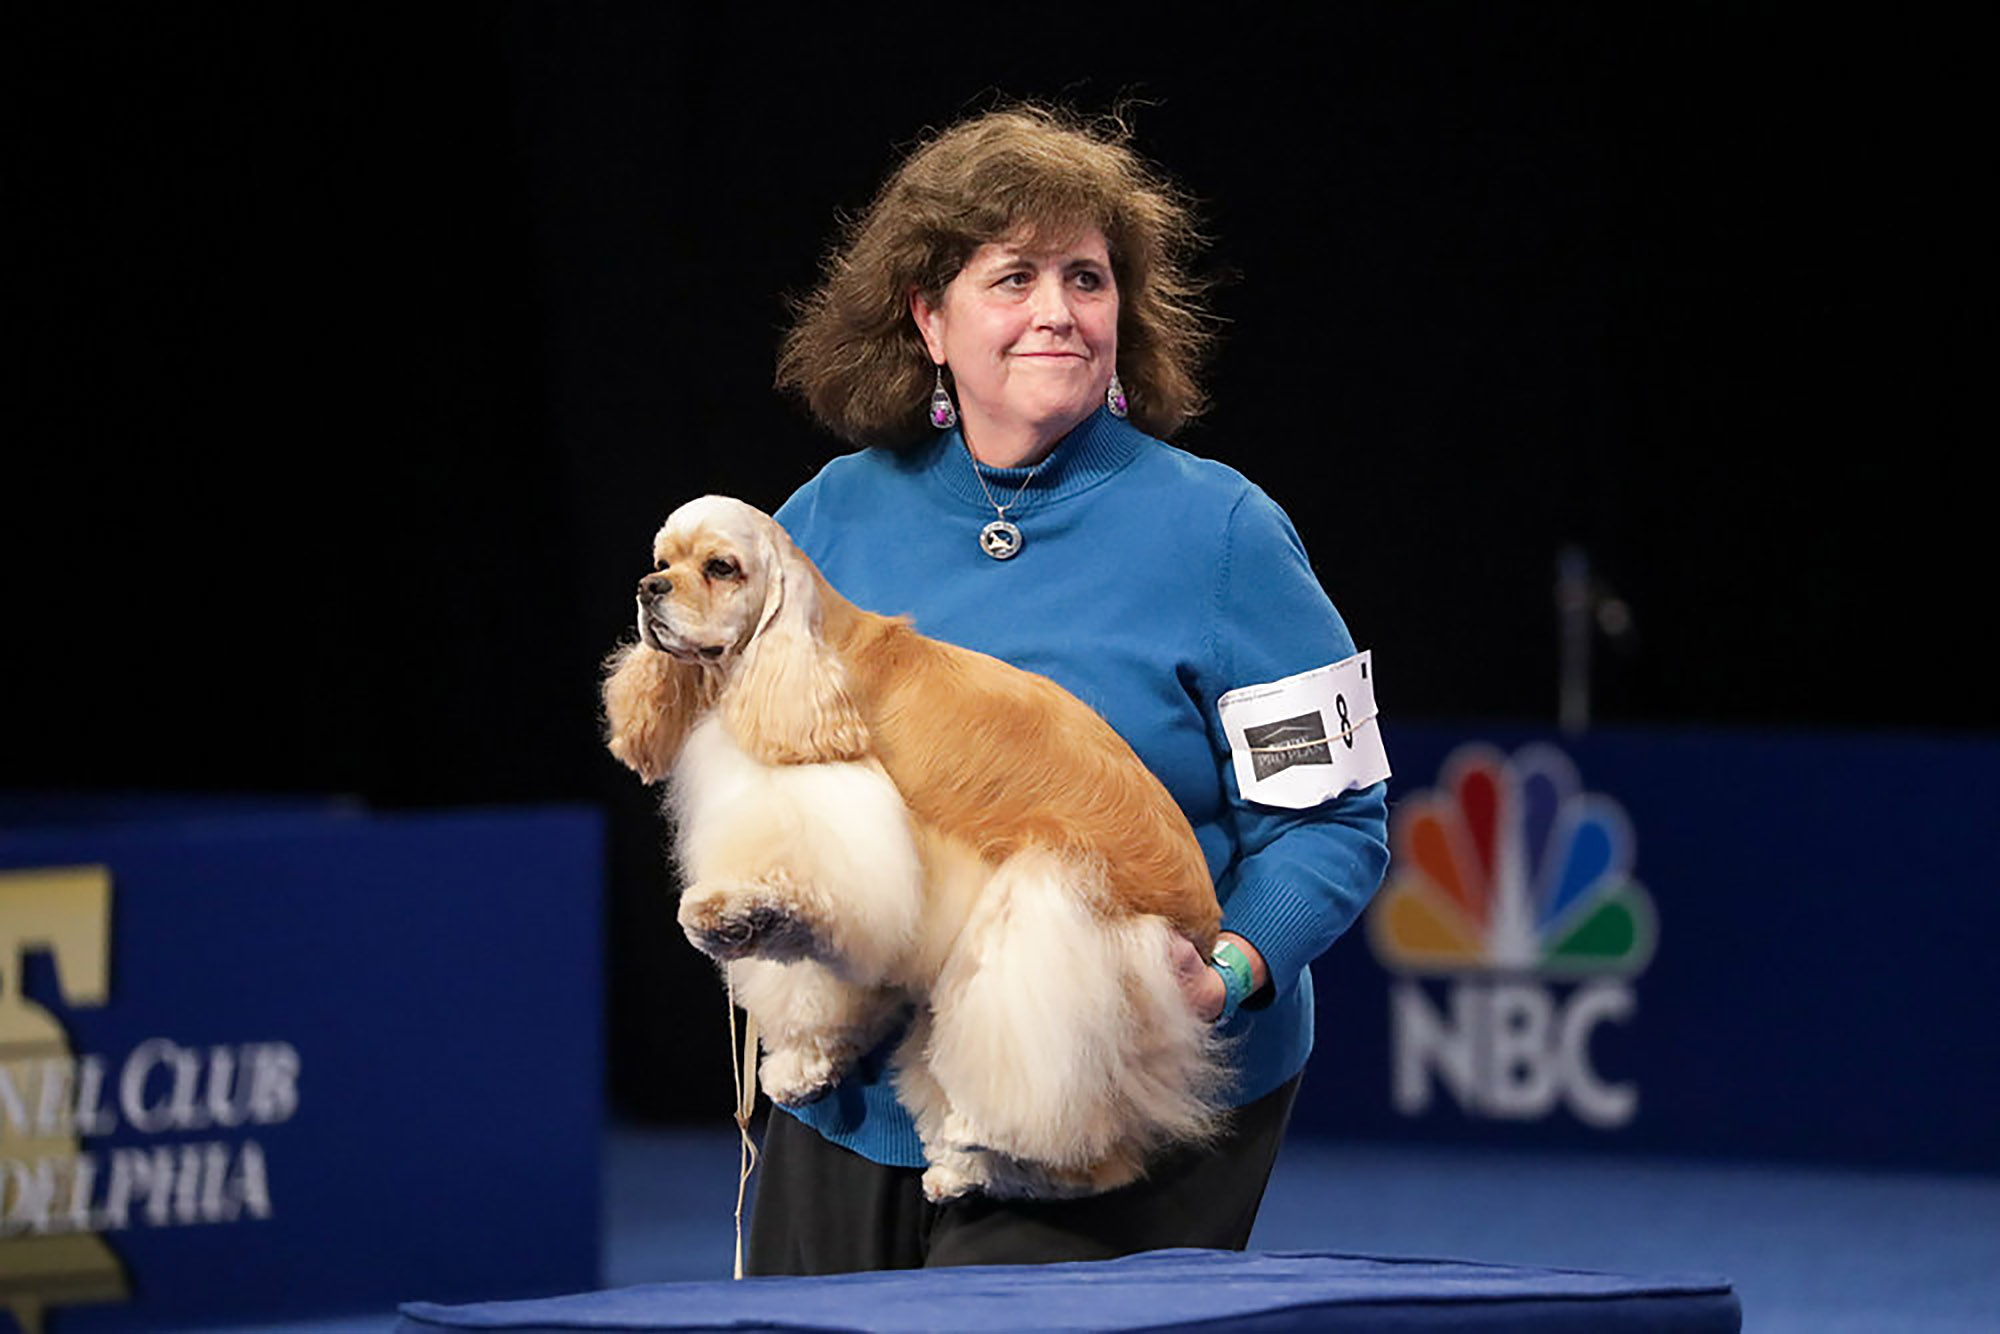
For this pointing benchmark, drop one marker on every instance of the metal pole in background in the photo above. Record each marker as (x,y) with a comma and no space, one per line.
(1573,599)
(1583,606)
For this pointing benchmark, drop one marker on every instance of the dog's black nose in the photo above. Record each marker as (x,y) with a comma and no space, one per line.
(655,586)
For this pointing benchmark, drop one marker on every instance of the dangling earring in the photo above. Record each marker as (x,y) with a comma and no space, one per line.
(1114,396)
(943,415)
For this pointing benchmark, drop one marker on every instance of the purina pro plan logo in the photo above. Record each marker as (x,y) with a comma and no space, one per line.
(1516,929)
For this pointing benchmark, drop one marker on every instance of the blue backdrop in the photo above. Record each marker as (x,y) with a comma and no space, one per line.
(1818,982)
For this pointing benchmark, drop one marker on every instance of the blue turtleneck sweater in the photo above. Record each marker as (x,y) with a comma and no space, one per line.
(1149,583)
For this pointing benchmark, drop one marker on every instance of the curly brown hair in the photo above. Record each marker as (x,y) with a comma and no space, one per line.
(1031,172)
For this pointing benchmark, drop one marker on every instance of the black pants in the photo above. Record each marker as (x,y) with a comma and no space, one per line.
(823,1209)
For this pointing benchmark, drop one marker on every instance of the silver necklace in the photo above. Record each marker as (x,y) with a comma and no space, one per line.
(1000,539)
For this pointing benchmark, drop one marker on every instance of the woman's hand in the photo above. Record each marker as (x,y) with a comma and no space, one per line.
(1202,985)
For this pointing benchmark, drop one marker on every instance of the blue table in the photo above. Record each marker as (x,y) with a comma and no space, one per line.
(1174,1289)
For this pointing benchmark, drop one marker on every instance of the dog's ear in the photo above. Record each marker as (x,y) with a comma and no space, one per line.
(788,701)
(650,701)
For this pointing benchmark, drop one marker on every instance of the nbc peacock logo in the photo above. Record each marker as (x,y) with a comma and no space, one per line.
(1516,929)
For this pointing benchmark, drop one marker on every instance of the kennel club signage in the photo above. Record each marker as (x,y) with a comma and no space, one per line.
(1515,927)
(238,1063)
(52,1190)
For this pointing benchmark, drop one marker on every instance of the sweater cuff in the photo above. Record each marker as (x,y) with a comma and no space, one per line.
(1285,928)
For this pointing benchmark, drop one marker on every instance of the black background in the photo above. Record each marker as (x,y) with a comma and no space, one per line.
(356,357)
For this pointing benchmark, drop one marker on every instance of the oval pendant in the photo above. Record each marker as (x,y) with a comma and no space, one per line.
(1000,540)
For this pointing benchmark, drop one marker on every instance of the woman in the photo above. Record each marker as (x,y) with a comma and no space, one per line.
(1009,328)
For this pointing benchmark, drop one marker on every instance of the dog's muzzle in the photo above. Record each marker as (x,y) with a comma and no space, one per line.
(658,631)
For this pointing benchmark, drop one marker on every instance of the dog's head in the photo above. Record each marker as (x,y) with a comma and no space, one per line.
(732,601)
(718,581)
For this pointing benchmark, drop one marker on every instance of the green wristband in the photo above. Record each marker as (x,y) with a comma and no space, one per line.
(1237,981)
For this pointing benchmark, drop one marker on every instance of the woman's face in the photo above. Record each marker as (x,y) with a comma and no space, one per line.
(1031,336)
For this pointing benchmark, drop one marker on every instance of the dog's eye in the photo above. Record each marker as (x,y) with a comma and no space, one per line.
(659,565)
(720,569)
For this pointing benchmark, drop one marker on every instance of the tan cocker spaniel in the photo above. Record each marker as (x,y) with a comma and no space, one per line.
(873,825)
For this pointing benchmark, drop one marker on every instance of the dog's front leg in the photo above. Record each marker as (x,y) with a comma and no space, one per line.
(766,916)
(812,1023)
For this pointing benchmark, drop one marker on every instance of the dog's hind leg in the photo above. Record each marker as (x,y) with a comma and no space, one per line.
(1030,1017)
(954,1166)
(1061,1040)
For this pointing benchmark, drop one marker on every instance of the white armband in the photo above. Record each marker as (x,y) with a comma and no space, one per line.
(1308,738)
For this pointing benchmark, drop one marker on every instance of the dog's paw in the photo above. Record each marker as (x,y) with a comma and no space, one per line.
(953,1175)
(738,922)
(794,1076)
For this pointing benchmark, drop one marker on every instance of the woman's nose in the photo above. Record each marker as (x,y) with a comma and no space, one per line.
(1051,304)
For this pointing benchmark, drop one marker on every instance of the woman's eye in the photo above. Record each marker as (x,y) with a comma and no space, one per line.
(1090,280)
(720,569)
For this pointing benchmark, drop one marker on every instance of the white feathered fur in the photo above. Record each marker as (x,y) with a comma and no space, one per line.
(873,825)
